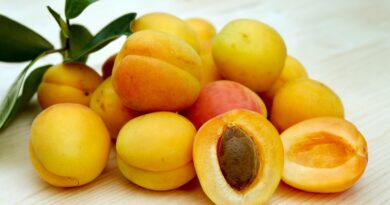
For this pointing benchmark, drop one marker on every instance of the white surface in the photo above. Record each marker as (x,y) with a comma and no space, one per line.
(341,43)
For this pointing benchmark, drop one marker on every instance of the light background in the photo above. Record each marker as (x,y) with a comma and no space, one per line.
(344,44)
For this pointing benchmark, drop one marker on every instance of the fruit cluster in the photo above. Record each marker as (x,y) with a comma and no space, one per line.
(182,101)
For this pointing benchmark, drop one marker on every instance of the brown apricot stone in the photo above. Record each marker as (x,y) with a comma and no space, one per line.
(237,156)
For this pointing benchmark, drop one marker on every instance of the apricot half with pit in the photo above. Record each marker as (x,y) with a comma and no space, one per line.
(154,150)
(323,155)
(238,157)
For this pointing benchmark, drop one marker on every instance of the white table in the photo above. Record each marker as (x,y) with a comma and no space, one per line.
(344,44)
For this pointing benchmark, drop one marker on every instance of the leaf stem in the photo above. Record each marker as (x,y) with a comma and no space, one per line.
(67,42)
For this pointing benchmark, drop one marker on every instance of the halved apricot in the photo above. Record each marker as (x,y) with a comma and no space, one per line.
(238,157)
(323,155)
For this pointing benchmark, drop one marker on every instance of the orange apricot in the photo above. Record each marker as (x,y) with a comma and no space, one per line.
(107,104)
(68,83)
(323,155)
(238,157)
(302,99)
(292,69)
(107,67)
(156,71)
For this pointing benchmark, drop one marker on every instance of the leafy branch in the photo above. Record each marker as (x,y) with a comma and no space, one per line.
(18,43)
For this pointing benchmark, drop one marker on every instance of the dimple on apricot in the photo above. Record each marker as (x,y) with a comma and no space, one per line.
(324,155)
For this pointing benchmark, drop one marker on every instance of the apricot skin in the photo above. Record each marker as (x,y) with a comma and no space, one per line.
(249,52)
(154,150)
(323,155)
(69,145)
(270,152)
(209,72)
(302,99)
(107,104)
(203,29)
(221,96)
(155,71)
(68,83)
(292,69)
(167,23)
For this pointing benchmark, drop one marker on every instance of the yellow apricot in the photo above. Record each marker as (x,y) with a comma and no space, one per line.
(302,99)
(292,69)
(155,150)
(107,104)
(203,29)
(167,23)
(69,145)
(249,52)
(68,83)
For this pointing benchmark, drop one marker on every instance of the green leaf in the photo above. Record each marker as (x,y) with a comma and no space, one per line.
(78,38)
(19,43)
(115,29)
(73,8)
(60,21)
(10,99)
(30,87)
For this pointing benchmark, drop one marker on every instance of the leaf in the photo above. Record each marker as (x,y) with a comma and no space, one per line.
(30,87)
(78,38)
(10,99)
(73,8)
(60,21)
(19,43)
(115,29)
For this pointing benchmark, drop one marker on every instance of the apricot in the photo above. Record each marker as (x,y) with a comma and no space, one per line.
(302,99)
(292,69)
(238,157)
(167,23)
(154,150)
(107,67)
(323,155)
(68,83)
(69,145)
(107,104)
(209,71)
(203,29)
(156,71)
(221,96)
(249,52)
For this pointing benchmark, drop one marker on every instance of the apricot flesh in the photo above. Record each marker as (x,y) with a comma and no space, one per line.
(323,155)
(69,145)
(154,150)
(252,135)
(68,83)
(156,71)
(302,99)
(221,96)
(249,52)
(167,23)
(107,104)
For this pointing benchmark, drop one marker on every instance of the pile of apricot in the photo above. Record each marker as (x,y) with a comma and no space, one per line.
(181,100)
